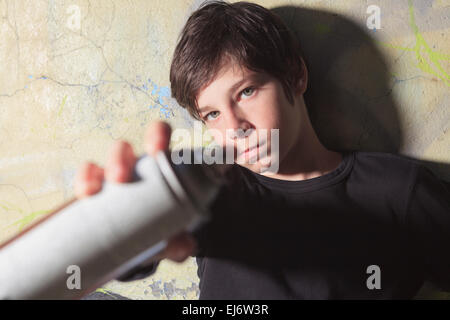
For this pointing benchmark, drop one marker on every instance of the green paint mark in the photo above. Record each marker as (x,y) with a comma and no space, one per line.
(21,223)
(104,291)
(62,105)
(9,207)
(427,58)
(59,114)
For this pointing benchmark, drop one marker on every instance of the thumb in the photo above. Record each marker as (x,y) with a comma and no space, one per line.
(180,247)
(157,137)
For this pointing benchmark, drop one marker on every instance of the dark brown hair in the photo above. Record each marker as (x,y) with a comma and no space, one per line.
(244,32)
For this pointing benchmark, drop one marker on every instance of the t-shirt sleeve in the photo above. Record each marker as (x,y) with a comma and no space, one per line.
(428,224)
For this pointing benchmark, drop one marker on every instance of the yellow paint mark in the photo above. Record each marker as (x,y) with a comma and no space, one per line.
(29,218)
(10,207)
(101,290)
(62,105)
(428,59)
(59,114)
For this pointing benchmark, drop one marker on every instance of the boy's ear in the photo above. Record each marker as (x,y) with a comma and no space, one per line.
(302,82)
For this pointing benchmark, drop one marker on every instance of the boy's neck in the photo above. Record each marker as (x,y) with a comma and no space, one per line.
(308,158)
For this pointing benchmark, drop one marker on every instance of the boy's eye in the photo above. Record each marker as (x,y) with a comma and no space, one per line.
(247,92)
(212,115)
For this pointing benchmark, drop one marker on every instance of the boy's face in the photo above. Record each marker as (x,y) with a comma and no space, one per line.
(255,103)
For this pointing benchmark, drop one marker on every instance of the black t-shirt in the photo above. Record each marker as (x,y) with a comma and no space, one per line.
(378,221)
(376,227)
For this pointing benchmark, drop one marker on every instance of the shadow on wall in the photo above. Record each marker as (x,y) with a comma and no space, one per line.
(349,97)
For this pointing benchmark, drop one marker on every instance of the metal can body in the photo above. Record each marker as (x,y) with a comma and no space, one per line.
(102,235)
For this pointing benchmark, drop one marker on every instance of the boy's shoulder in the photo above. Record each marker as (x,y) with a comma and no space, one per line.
(383,156)
(387,179)
(393,175)
(385,164)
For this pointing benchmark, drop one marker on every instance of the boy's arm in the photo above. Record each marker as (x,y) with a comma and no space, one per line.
(428,225)
(178,249)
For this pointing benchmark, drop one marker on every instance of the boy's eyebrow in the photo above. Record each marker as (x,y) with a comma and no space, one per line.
(253,76)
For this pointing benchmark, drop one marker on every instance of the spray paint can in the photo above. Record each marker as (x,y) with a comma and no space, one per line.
(105,235)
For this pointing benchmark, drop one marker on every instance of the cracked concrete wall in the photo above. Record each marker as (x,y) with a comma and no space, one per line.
(78,75)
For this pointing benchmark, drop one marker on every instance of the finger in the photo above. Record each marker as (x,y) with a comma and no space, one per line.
(157,137)
(120,164)
(180,247)
(88,180)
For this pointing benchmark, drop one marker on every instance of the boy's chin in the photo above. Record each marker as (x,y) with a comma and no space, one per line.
(263,166)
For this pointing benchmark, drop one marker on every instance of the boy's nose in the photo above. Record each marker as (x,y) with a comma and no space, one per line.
(238,125)
(240,130)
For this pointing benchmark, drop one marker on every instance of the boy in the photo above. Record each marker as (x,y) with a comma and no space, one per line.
(325,225)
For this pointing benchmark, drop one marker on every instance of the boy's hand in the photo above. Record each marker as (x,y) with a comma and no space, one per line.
(119,168)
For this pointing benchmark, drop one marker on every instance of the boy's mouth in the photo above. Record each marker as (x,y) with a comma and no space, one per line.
(250,151)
